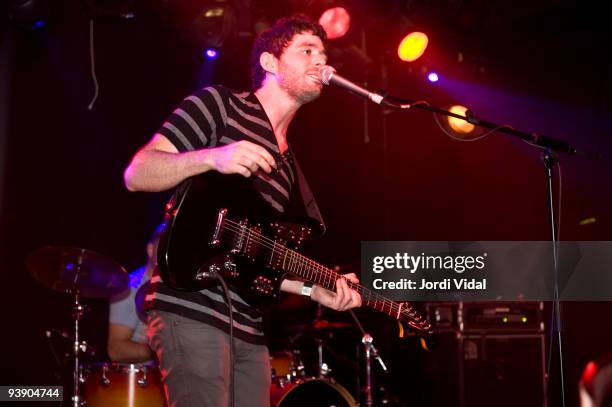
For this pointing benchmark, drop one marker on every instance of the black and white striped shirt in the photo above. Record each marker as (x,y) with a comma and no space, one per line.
(211,117)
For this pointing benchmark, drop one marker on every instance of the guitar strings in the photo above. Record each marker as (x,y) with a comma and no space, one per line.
(298,258)
(294,257)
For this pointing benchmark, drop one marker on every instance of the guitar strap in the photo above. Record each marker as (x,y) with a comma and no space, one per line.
(308,201)
(306,206)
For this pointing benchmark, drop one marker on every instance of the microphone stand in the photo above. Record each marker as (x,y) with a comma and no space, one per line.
(549,160)
(549,144)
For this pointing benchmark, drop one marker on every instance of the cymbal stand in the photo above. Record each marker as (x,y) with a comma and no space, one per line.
(367,343)
(323,367)
(77,313)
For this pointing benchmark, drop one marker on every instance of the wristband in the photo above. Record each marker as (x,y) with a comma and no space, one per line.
(307,289)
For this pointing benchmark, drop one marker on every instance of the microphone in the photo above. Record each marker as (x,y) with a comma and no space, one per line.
(329,76)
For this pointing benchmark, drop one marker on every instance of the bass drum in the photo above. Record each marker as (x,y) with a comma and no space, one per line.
(123,385)
(311,393)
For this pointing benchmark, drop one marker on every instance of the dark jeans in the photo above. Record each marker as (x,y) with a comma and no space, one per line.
(194,361)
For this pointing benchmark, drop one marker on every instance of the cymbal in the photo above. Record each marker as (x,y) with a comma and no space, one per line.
(64,268)
(324,324)
(319,325)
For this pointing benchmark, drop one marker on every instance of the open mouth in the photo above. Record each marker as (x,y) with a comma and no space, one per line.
(314,76)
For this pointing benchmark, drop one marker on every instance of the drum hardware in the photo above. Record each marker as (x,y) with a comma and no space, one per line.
(105,380)
(323,369)
(105,375)
(80,273)
(367,389)
(120,384)
(297,369)
(142,381)
(321,330)
(312,393)
(370,352)
(287,367)
(77,314)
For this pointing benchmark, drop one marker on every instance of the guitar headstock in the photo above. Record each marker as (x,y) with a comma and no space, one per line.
(412,319)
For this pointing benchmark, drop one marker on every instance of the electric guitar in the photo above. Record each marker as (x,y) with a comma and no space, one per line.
(219,225)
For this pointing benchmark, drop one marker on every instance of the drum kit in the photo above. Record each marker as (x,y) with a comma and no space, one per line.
(82,273)
(292,386)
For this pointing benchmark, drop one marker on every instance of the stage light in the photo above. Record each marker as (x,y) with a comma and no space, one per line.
(336,21)
(432,77)
(214,12)
(460,125)
(412,46)
(211,53)
(215,24)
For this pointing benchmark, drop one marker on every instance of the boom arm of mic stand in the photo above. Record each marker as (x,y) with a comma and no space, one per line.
(535,139)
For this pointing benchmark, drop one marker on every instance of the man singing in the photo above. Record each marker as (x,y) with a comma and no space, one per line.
(245,133)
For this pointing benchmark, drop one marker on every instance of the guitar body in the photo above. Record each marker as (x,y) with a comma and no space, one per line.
(186,258)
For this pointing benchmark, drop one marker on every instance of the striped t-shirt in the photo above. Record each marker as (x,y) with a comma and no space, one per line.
(211,117)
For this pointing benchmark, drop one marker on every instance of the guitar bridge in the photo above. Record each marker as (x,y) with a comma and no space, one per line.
(241,238)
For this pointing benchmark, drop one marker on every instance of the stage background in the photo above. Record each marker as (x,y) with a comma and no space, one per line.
(398,178)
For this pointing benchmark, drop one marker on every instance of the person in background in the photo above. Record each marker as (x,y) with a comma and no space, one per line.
(127,335)
(595,386)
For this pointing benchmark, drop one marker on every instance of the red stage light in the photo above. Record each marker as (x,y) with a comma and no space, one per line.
(335,21)
(412,46)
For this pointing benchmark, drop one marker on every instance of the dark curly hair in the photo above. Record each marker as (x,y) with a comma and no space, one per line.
(276,38)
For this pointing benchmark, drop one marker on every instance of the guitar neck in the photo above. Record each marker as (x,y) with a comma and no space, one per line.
(307,269)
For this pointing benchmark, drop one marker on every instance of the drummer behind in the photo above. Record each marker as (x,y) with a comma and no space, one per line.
(127,333)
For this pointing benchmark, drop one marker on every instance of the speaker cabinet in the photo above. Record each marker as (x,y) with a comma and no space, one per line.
(501,370)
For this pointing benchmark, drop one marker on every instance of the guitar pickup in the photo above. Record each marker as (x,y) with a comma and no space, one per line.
(240,236)
(247,240)
(252,242)
(278,254)
(215,239)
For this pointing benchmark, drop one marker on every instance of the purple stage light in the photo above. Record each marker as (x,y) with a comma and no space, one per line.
(211,53)
(432,77)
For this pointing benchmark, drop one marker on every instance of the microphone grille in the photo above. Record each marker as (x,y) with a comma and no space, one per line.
(325,74)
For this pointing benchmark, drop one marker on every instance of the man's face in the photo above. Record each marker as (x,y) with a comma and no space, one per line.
(299,65)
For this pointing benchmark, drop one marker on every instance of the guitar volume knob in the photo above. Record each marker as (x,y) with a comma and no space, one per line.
(212,271)
(229,266)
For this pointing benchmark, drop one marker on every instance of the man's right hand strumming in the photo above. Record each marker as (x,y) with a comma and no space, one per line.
(242,157)
(159,166)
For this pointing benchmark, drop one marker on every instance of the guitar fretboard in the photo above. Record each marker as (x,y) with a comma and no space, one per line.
(297,264)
